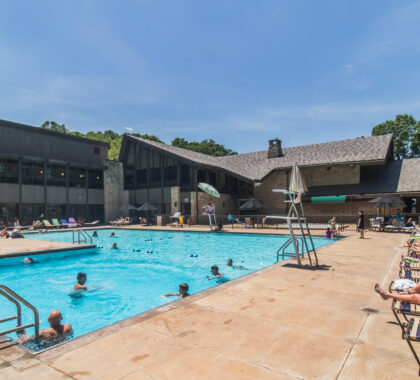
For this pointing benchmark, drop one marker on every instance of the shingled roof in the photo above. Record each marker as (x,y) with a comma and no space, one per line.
(255,166)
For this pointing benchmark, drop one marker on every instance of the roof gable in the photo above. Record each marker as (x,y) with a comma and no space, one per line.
(255,166)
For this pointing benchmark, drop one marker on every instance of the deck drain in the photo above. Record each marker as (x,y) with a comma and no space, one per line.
(370,310)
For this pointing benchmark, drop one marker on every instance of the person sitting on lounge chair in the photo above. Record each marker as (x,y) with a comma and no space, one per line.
(4,234)
(411,296)
(16,234)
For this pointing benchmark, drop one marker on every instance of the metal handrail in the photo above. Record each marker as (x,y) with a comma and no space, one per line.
(14,298)
(82,237)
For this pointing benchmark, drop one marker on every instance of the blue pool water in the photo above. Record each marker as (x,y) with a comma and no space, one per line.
(132,281)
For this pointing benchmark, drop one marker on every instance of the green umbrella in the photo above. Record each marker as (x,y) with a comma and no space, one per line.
(209,189)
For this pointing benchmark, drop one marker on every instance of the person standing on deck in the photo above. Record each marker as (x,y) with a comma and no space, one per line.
(361,224)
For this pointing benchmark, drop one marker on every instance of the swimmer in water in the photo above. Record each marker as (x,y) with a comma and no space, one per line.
(56,329)
(95,234)
(230,264)
(183,291)
(112,234)
(114,246)
(29,260)
(215,272)
(81,281)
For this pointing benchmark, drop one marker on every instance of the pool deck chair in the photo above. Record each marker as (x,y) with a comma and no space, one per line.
(73,222)
(56,223)
(412,334)
(67,224)
(410,274)
(48,224)
(92,223)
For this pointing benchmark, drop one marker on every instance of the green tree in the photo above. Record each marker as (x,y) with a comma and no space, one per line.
(209,147)
(53,126)
(109,136)
(406,135)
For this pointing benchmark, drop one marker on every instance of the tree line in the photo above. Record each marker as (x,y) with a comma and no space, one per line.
(207,146)
(405,129)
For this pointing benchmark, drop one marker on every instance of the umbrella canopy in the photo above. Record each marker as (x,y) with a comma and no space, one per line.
(147,207)
(297,183)
(252,204)
(128,207)
(209,189)
(386,202)
(176,215)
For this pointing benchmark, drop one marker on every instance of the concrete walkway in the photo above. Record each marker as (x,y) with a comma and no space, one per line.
(279,323)
(22,247)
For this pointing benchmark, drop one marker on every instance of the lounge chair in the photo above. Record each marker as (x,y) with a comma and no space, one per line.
(56,223)
(73,222)
(375,225)
(67,224)
(92,223)
(412,334)
(410,274)
(48,224)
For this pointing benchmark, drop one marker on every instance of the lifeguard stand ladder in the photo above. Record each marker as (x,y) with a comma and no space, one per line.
(302,244)
(213,214)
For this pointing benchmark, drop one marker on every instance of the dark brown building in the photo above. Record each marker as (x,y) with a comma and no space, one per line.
(46,174)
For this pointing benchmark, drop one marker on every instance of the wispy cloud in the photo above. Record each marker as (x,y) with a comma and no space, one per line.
(129,129)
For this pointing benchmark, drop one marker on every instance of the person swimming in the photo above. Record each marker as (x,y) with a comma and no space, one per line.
(112,234)
(95,234)
(29,260)
(215,272)
(230,264)
(114,246)
(81,281)
(183,291)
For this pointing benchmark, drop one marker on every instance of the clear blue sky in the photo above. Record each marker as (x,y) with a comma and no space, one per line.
(238,71)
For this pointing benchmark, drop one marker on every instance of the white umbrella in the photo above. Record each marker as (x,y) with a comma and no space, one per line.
(297,183)
(128,207)
(209,189)
(176,215)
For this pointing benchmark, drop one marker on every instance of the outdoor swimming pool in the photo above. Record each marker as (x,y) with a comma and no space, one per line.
(133,277)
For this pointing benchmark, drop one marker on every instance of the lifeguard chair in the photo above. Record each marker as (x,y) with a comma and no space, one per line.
(295,217)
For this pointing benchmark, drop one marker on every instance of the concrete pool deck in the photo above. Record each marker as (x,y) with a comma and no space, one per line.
(24,247)
(279,323)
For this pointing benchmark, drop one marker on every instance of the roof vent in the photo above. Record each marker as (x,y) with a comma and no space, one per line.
(274,148)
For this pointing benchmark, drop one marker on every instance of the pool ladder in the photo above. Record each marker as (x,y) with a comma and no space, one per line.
(81,237)
(300,247)
(15,298)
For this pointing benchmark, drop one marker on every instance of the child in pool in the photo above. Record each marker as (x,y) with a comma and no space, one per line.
(81,281)
(183,291)
(328,233)
(230,264)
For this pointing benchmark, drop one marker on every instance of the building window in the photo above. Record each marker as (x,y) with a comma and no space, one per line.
(32,174)
(31,212)
(96,179)
(77,177)
(9,171)
(56,175)
(96,212)
(129,178)
(155,175)
(142,177)
(77,212)
(96,150)
(185,175)
(8,212)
